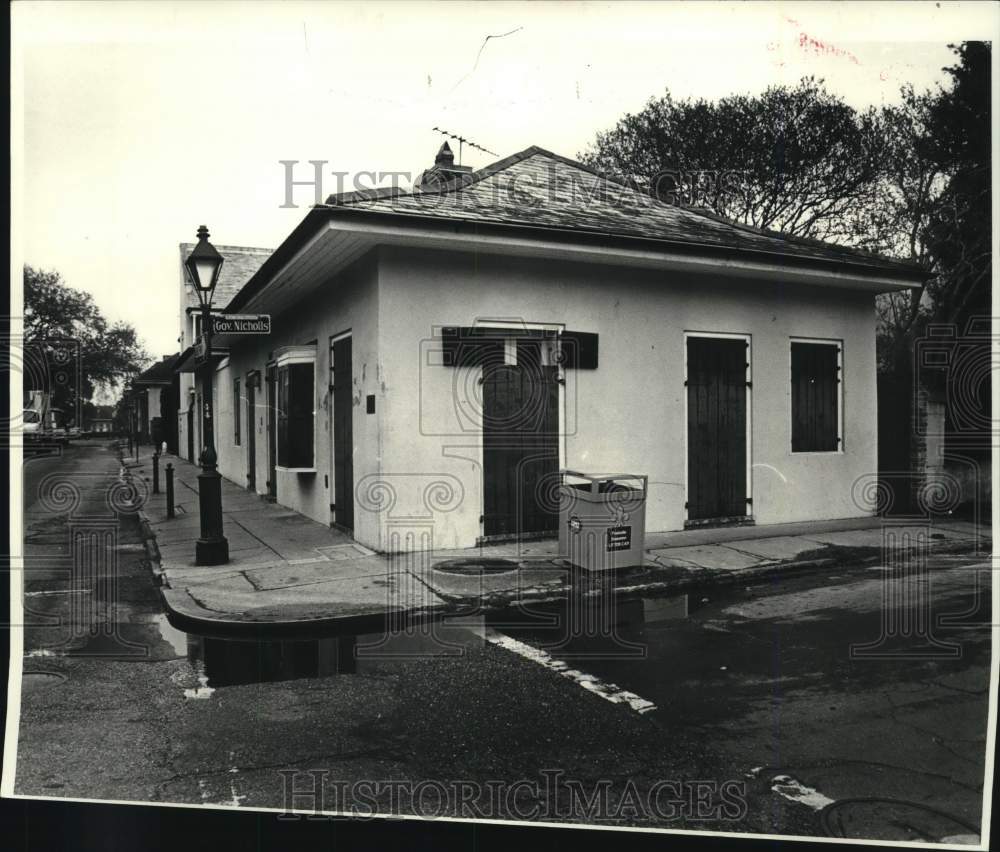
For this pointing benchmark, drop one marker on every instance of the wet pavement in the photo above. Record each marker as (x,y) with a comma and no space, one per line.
(757,688)
(286,569)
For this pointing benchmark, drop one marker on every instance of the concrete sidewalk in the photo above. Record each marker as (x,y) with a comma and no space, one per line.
(290,573)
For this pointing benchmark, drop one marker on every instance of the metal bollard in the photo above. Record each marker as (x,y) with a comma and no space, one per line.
(170,490)
(156,473)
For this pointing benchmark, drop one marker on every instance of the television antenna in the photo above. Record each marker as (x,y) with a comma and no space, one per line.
(461,140)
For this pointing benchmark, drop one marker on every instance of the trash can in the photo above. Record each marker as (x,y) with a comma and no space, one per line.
(602,519)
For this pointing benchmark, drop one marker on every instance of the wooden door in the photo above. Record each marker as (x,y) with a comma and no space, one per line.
(190,430)
(272,433)
(252,381)
(717,439)
(342,432)
(520,445)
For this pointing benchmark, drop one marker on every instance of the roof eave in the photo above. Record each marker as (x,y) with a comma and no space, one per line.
(909,273)
(897,275)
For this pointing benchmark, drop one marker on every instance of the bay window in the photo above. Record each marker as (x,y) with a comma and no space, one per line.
(296,394)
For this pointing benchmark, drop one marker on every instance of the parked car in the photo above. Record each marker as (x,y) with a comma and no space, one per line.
(31,425)
(74,432)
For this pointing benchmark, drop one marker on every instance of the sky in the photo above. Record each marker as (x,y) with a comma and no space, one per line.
(133,123)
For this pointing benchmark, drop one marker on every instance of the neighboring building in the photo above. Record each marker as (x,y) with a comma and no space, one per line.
(241,262)
(98,418)
(155,392)
(438,355)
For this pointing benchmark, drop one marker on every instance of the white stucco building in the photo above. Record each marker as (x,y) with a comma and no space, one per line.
(437,356)
(240,265)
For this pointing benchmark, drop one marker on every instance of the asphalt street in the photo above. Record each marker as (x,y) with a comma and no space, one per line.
(746,711)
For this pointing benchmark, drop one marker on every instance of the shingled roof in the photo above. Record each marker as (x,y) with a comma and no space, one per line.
(162,372)
(240,263)
(538,195)
(536,188)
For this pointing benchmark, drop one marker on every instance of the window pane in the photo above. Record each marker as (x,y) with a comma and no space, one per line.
(282,417)
(296,392)
(815,389)
(300,415)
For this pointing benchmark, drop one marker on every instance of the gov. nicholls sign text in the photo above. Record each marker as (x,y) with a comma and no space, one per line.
(241,324)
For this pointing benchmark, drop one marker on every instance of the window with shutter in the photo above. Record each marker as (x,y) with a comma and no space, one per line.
(816,389)
(236,412)
(295,415)
(282,417)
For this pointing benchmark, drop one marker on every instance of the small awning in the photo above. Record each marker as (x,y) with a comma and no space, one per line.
(188,362)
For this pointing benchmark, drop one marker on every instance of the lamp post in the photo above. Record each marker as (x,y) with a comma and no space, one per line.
(127,414)
(212,548)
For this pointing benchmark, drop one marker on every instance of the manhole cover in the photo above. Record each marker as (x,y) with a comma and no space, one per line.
(476,566)
(894,819)
(30,681)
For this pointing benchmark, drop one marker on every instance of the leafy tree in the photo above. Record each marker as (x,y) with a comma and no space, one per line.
(934,205)
(959,228)
(910,180)
(906,195)
(66,335)
(794,159)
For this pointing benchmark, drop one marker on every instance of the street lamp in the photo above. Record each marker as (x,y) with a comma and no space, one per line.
(126,413)
(212,548)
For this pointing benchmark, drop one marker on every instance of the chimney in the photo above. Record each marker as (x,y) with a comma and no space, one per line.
(443,171)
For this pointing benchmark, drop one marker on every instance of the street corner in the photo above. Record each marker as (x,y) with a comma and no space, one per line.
(297,596)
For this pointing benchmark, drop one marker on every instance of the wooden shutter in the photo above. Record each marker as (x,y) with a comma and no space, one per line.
(815,394)
(579,350)
(236,412)
(301,390)
(468,346)
(282,418)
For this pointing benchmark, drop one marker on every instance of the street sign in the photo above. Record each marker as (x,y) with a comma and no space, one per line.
(241,323)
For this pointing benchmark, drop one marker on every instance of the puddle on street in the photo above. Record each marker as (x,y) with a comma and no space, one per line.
(593,629)
(32,680)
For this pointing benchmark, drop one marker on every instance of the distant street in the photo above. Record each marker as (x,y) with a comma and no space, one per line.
(756,687)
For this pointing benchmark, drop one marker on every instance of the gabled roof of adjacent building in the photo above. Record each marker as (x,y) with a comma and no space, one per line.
(537,198)
(101,412)
(161,373)
(240,263)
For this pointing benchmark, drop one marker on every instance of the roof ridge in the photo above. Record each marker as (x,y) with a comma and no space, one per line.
(221,246)
(454,185)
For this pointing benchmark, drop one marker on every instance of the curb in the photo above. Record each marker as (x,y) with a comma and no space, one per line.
(185,613)
(148,536)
